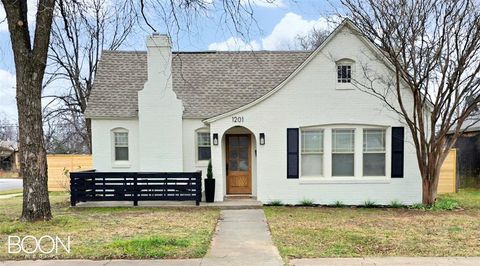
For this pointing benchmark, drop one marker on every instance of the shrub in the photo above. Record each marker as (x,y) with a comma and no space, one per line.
(445,204)
(395,204)
(209,170)
(338,204)
(369,204)
(275,203)
(307,202)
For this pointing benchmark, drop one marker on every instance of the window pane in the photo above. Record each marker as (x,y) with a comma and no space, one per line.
(121,139)
(312,165)
(343,140)
(203,139)
(373,140)
(342,165)
(312,141)
(121,153)
(204,153)
(374,164)
(344,73)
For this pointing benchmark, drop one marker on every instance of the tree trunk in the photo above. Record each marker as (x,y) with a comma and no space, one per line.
(30,62)
(88,123)
(429,190)
(33,164)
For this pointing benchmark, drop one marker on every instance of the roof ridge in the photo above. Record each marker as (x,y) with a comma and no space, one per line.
(215,52)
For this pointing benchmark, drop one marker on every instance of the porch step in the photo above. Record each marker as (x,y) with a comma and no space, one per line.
(236,204)
(239,196)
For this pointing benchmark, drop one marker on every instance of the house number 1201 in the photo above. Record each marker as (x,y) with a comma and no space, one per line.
(237,119)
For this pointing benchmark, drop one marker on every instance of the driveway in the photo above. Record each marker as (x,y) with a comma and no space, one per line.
(9,184)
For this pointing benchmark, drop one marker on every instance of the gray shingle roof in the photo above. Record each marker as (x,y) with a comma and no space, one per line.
(208,83)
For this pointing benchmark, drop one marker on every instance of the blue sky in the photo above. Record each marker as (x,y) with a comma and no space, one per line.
(277,27)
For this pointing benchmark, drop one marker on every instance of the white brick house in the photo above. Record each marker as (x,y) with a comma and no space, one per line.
(284,125)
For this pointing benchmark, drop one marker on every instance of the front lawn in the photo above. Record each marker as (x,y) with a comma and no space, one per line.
(310,232)
(107,233)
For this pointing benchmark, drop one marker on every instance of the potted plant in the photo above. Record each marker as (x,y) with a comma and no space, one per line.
(209,184)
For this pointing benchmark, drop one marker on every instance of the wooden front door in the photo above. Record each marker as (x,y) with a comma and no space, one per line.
(239,164)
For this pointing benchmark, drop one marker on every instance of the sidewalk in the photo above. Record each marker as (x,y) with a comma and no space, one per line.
(242,238)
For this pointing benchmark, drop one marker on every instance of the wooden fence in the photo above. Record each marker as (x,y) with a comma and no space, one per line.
(135,186)
(60,165)
(448,174)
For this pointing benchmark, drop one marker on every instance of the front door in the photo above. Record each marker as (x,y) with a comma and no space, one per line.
(239,168)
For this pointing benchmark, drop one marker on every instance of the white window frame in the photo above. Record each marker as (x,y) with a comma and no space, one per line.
(384,151)
(322,152)
(344,152)
(197,145)
(345,85)
(358,177)
(120,163)
(341,79)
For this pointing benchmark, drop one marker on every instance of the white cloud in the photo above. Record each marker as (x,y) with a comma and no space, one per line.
(283,36)
(234,44)
(7,94)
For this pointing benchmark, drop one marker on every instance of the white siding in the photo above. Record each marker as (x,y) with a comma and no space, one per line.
(102,145)
(312,98)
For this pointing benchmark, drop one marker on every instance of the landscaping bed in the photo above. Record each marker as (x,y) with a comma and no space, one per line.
(311,232)
(113,233)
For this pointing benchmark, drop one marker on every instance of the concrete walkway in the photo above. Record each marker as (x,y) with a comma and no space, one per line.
(242,238)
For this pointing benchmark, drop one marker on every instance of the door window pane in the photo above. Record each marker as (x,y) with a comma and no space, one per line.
(238,153)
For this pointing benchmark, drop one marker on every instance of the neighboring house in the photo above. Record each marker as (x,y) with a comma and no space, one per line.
(277,125)
(468,153)
(8,156)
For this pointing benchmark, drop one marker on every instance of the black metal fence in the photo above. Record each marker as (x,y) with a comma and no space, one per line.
(135,186)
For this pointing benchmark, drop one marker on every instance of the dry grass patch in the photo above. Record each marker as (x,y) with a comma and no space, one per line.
(301,232)
(101,233)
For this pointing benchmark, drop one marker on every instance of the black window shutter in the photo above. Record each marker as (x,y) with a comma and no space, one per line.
(292,153)
(398,140)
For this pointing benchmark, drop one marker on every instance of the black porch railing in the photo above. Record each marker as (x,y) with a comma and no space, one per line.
(135,186)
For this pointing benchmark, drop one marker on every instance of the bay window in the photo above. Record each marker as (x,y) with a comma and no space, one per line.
(312,153)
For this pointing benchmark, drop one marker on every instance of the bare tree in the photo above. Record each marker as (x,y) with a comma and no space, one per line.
(433,48)
(312,39)
(30,62)
(8,129)
(81,30)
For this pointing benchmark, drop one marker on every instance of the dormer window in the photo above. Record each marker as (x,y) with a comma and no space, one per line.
(344,73)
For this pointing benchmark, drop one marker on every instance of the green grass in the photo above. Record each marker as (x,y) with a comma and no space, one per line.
(10,191)
(356,232)
(395,204)
(114,233)
(466,198)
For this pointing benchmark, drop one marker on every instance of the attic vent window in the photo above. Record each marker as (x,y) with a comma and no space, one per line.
(344,73)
